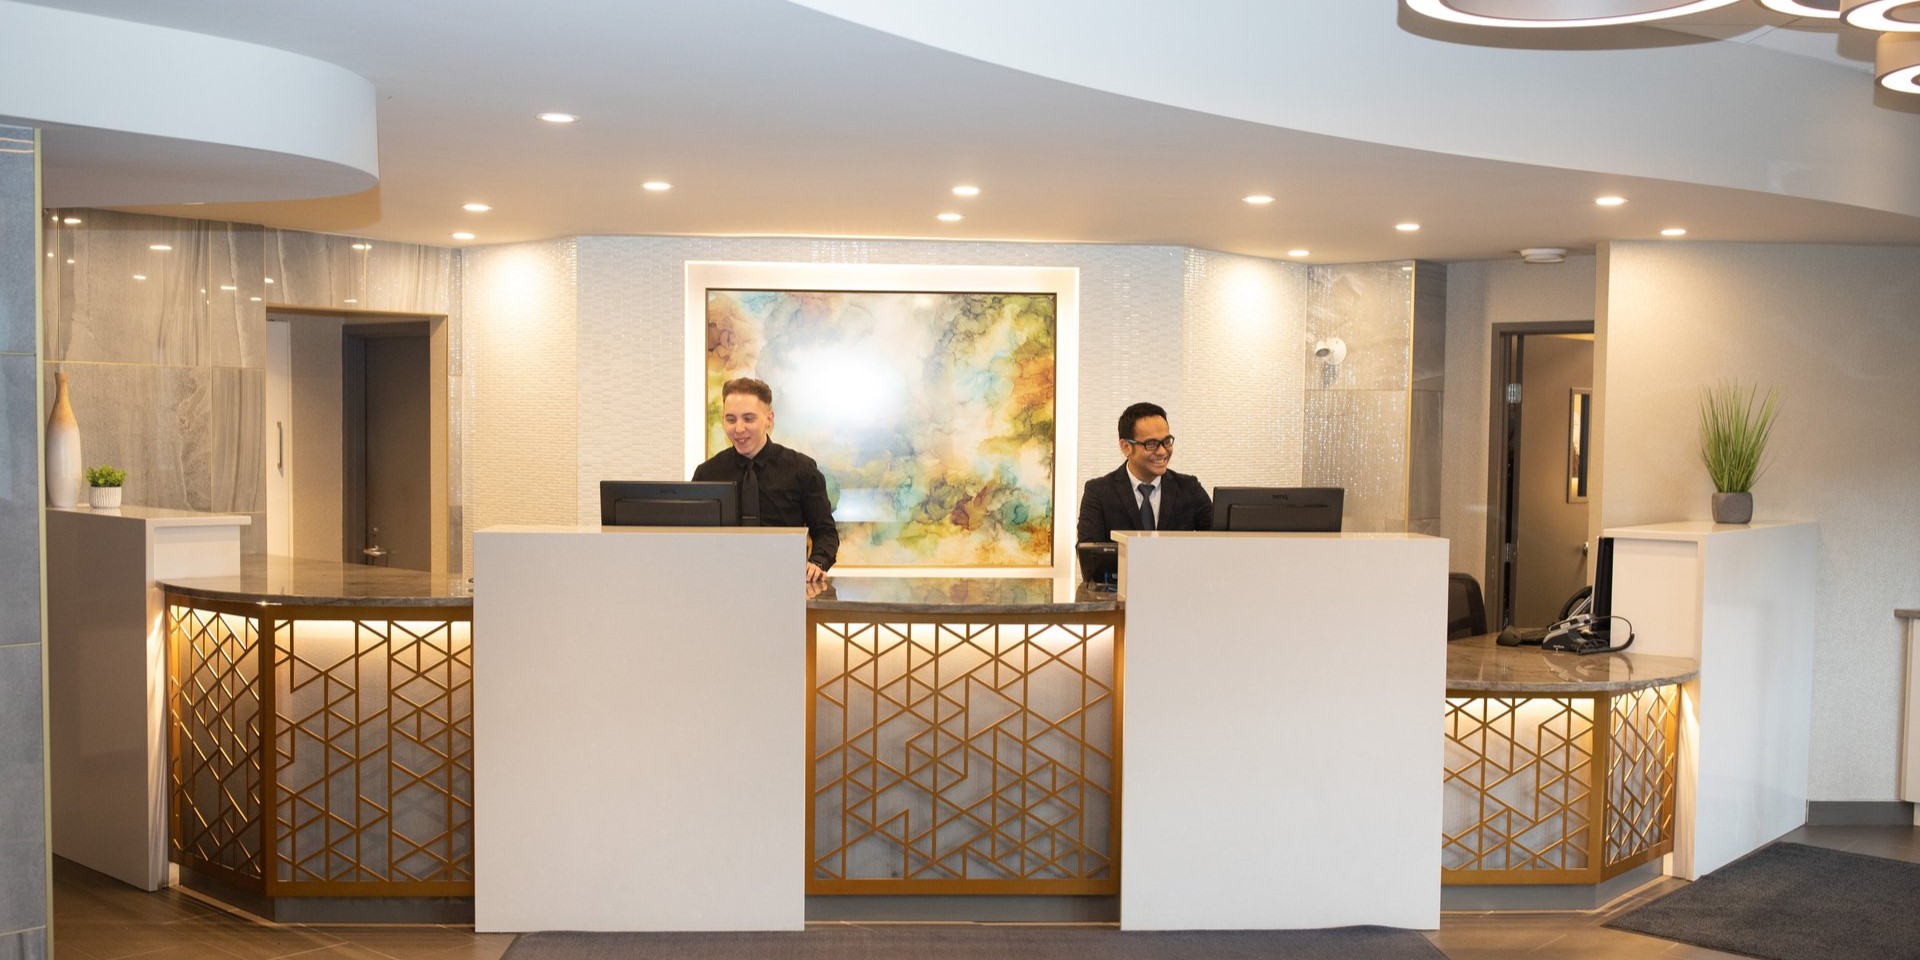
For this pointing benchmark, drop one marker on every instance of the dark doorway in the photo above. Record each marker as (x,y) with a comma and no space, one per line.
(388,435)
(1540,465)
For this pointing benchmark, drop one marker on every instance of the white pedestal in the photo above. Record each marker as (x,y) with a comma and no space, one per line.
(640,747)
(1284,730)
(1740,599)
(107,676)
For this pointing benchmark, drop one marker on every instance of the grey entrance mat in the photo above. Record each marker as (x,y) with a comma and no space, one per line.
(1790,901)
(982,942)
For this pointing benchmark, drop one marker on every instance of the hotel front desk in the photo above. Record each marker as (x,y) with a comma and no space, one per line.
(667,730)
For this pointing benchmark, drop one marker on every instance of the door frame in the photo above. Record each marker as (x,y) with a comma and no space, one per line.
(1503,445)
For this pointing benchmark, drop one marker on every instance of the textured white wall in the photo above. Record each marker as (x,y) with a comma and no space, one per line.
(1833,328)
(1238,414)
(520,377)
(1479,295)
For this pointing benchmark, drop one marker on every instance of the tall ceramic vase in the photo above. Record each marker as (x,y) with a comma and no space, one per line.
(64,473)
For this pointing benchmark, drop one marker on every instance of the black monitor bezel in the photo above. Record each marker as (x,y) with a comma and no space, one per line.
(1226,498)
(719,491)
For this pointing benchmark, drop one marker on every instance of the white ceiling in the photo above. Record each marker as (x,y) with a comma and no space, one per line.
(774,119)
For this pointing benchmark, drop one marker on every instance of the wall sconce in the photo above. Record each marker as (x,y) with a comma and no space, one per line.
(1330,351)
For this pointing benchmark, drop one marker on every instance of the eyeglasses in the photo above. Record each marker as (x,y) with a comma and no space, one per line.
(1153,446)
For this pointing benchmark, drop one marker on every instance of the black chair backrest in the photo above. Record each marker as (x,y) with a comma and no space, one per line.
(1466,610)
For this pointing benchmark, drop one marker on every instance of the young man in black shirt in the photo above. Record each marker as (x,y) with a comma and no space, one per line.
(779,486)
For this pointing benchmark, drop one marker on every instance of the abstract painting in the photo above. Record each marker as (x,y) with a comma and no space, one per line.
(931,414)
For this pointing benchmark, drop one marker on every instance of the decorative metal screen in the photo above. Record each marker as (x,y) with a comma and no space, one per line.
(371,727)
(964,757)
(1558,789)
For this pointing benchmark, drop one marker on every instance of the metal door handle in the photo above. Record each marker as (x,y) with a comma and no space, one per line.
(281,427)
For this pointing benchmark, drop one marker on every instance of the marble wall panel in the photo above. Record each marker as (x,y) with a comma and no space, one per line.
(236,294)
(153,422)
(20,499)
(1370,306)
(1357,439)
(111,314)
(1240,422)
(238,457)
(313,269)
(18,238)
(403,277)
(23,838)
(1423,455)
(1429,325)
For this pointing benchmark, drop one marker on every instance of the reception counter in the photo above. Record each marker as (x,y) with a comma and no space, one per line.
(322,739)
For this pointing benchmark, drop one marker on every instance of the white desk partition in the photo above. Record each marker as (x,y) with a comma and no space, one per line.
(107,675)
(1284,730)
(639,729)
(1740,599)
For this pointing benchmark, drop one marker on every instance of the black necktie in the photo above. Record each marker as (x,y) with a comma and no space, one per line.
(1146,506)
(750,496)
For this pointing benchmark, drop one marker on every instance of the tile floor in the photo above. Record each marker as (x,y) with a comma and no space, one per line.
(98,918)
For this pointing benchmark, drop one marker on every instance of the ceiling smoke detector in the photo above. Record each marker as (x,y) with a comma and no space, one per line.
(1544,255)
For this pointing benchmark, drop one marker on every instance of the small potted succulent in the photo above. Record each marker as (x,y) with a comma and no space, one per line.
(1735,422)
(103,487)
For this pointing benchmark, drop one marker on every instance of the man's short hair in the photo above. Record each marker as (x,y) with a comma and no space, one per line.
(1137,413)
(747,385)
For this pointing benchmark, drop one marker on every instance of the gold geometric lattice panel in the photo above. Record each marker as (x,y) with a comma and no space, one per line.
(214,700)
(972,757)
(1519,784)
(373,755)
(1642,774)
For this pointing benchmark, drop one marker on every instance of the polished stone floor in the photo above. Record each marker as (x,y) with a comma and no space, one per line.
(98,918)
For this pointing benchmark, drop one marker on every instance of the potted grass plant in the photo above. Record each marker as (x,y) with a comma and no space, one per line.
(103,487)
(1735,422)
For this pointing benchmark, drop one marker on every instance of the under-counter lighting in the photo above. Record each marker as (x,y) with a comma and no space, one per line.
(161,247)
(475,207)
(363,246)
(1298,253)
(1406,227)
(462,235)
(948,217)
(966,191)
(1258,199)
(1674,232)
(71,221)
(1610,200)
(657,186)
(558,117)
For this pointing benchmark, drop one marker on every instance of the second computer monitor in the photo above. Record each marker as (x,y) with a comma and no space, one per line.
(1278,509)
(668,503)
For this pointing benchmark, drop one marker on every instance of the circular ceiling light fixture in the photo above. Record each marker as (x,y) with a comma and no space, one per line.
(1543,255)
(1896,62)
(1823,9)
(1564,13)
(1887,16)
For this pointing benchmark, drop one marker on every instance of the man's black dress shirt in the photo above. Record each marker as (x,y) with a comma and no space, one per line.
(793,493)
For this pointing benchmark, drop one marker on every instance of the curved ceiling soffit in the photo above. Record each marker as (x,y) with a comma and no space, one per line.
(1708,113)
(133,113)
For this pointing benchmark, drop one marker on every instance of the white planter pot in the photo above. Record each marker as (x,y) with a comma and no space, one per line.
(104,498)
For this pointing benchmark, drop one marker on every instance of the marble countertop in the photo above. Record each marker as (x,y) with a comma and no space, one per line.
(956,595)
(1479,665)
(322,583)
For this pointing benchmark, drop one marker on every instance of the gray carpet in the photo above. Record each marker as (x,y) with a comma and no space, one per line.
(981,942)
(1790,901)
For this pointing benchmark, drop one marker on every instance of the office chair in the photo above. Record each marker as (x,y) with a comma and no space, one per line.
(1466,610)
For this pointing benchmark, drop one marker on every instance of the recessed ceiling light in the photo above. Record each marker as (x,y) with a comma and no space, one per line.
(254,299)
(228,287)
(139,276)
(1258,199)
(462,235)
(1610,200)
(1580,13)
(657,186)
(475,207)
(948,217)
(1298,253)
(162,247)
(363,246)
(349,300)
(558,117)
(1406,227)
(966,191)
(1887,16)
(1674,232)
(70,221)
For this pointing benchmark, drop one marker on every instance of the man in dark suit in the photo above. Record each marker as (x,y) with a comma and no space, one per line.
(1143,494)
(779,486)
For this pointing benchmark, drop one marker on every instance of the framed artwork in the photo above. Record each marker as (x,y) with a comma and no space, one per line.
(932,414)
(1579,432)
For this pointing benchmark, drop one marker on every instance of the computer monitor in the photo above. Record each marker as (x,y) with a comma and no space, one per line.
(1278,509)
(668,503)
(1099,561)
(1602,609)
